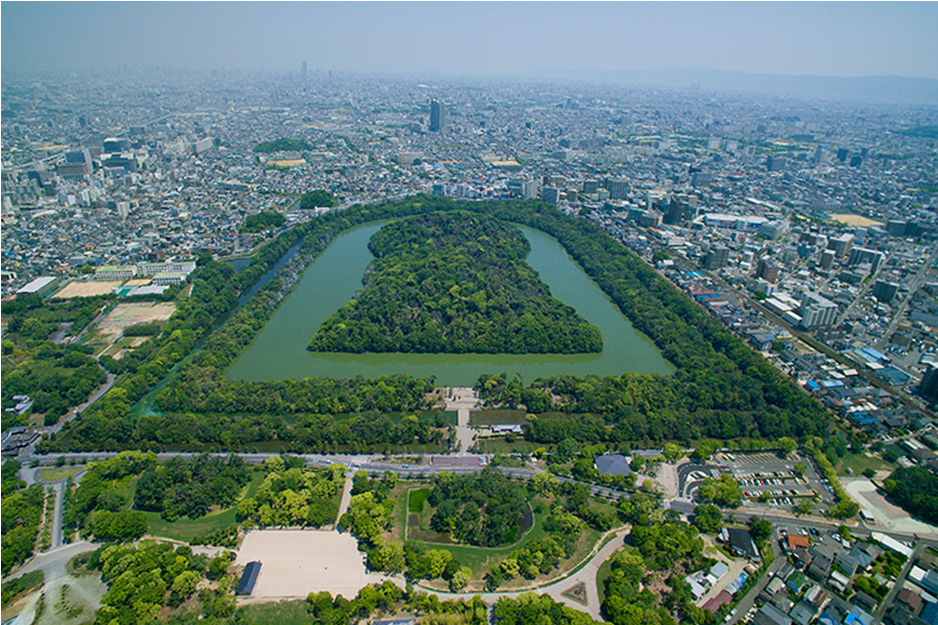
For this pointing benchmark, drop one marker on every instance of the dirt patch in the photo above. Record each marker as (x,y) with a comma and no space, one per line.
(856,220)
(87,289)
(126,315)
(294,562)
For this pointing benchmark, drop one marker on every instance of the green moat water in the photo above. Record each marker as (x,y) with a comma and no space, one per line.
(279,351)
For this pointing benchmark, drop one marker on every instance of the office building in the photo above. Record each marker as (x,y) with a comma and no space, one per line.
(827,259)
(718,256)
(929,386)
(776,163)
(841,245)
(817,311)
(618,189)
(114,145)
(77,164)
(885,291)
(862,255)
(437,115)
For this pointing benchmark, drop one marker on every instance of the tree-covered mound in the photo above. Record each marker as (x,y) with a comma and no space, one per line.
(915,489)
(283,145)
(483,509)
(454,282)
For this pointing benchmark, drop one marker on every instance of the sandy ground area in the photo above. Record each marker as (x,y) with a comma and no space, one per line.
(81,594)
(887,514)
(294,562)
(138,282)
(126,315)
(856,220)
(87,289)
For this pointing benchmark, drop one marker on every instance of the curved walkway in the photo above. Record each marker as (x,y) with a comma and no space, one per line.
(585,573)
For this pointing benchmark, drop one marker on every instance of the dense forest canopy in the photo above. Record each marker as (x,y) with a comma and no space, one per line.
(283,145)
(454,282)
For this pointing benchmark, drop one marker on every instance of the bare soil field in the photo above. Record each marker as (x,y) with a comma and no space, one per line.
(87,289)
(856,220)
(126,315)
(295,562)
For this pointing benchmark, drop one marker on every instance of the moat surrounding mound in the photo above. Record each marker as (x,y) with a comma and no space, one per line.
(458,283)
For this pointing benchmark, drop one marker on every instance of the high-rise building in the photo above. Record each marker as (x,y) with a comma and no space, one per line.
(303,70)
(437,115)
(76,164)
(842,244)
(885,291)
(859,255)
(776,163)
(817,311)
(897,227)
(929,386)
(767,269)
(618,189)
(717,257)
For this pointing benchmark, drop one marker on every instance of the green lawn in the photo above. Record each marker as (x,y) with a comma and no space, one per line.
(418,497)
(603,573)
(498,444)
(860,462)
(282,613)
(59,473)
(186,529)
(497,417)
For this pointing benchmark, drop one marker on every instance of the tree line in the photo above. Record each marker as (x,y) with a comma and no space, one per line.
(721,389)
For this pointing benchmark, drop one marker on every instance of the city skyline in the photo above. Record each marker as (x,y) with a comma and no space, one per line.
(470,38)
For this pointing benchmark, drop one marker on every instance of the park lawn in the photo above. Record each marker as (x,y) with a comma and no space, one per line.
(293,612)
(498,444)
(186,529)
(497,417)
(417,498)
(861,462)
(60,473)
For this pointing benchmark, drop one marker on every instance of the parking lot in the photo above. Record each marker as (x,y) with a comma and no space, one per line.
(766,473)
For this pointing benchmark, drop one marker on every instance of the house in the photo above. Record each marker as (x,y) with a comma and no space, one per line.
(797,540)
(714,604)
(910,598)
(248,579)
(858,616)
(770,615)
(839,581)
(865,601)
(741,543)
(796,582)
(803,613)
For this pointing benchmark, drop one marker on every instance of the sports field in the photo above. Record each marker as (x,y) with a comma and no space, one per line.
(87,289)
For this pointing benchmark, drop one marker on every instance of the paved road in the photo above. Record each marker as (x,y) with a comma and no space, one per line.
(900,311)
(878,617)
(586,573)
(745,604)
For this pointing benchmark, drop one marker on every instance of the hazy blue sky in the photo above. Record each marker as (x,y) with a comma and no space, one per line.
(842,39)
